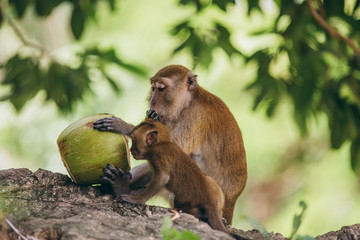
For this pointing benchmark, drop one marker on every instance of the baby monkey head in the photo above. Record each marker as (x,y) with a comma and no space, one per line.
(146,135)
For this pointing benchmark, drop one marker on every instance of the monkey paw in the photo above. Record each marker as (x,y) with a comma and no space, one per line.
(105,124)
(113,124)
(119,181)
(131,199)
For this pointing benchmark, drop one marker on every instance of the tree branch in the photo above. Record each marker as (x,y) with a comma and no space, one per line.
(332,32)
(18,32)
(22,37)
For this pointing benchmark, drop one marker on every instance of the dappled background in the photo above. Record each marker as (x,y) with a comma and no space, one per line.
(288,70)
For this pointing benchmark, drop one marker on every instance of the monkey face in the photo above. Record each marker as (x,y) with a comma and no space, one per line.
(145,136)
(137,149)
(161,99)
(171,92)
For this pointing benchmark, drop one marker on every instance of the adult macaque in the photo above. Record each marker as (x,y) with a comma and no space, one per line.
(200,123)
(194,192)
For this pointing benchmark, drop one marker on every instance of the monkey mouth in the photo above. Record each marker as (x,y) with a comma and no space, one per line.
(135,153)
(151,113)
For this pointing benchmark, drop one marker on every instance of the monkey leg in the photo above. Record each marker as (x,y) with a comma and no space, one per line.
(141,176)
(210,214)
(228,210)
(231,195)
(214,220)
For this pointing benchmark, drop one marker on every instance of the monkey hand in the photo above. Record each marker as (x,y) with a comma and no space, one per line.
(113,124)
(151,113)
(134,199)
(119,181)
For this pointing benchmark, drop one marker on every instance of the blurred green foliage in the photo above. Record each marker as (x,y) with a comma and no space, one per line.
(64,84)
(313,53)
(272,55)
(311,50)
(170,233)
(297,221)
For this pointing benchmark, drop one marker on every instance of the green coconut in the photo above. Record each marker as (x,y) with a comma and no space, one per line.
(86,151)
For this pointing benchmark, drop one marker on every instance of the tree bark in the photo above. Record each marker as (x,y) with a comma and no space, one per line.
(47,205)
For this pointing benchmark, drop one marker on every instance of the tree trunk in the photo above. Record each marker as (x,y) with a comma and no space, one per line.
(46,205)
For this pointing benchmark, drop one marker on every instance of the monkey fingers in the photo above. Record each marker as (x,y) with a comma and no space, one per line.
(112,172)
(151,113)
(119,181)
(104,124)
(113,124)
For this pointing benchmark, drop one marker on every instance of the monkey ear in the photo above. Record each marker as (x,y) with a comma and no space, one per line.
(151,138)
(192,81)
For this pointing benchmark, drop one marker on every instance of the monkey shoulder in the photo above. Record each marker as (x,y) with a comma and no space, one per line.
(166,153)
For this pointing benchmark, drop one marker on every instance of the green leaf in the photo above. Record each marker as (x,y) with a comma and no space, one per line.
(334,8)
(90,9)
(25,78)
(166,226)
(224,40)
(269,90)
(278,3)
(77,21)
(132,68)
(253,4)
(297,221)
(257,225)
(188,2)
(20,6)
(1,16)
(181,26)
(109,56)
(200,49)
(306,237)
(166,230)
(355,155)
(169,233)
(111,81)
(357,4)
(186,42)
(184,2)
(45,7)
(339,117)
(65,86)
(272,105)
(223,3)
(112,5)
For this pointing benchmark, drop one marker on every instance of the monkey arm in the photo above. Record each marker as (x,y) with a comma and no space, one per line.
(114,124)
(158,181)
(141,176)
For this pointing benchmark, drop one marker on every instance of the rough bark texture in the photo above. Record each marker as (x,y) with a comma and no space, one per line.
(46,205)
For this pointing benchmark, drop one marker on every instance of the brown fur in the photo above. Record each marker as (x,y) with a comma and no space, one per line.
(195,193)
(202,125)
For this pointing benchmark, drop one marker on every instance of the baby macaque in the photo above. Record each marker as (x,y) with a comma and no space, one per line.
(194,192)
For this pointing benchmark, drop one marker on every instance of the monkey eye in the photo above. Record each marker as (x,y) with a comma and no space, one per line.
(160,86)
